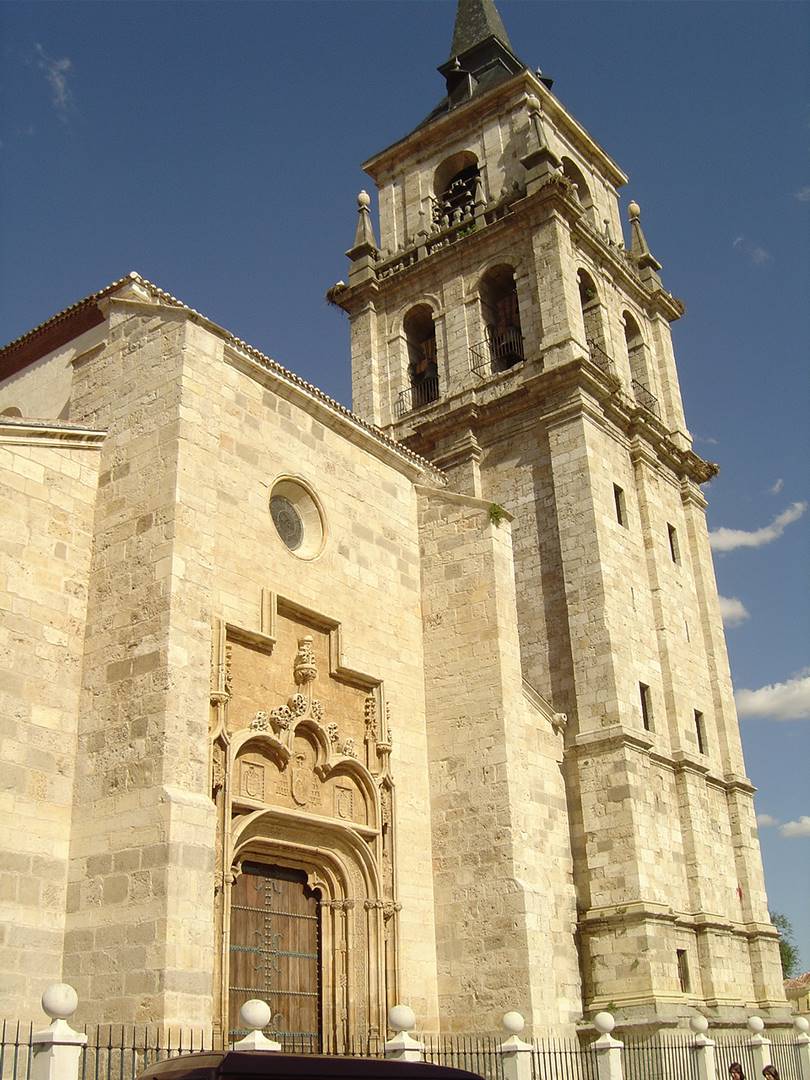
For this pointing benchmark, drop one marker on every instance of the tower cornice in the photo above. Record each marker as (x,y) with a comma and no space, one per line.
(435,131)
(557,395)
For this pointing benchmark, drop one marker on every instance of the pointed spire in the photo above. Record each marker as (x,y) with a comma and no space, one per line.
(364,252)
(540,159)
(481,54)
(477,20)
(646,262)
(364,233)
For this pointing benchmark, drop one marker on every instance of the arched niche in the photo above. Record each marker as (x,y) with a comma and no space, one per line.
(500,316)
(423,364)
(592,312)
(573,172)
(455,183)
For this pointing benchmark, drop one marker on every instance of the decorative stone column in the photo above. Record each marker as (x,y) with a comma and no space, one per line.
(608,1050)
(58,1049)
(800,1026)
(760,1045)
(256,1014)
(516,1054)
(704,1049)
(403,1047)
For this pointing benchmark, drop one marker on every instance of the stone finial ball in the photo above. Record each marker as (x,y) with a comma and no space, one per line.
(255,1014)
(513,1022)
(533,103)
(756,1025)
(363,200)
(604,1022)
(401,1018)
(801,1024)
(633,210)
(699,1024)
(60,1001)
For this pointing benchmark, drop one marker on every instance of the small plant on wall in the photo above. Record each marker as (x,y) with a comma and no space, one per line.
(496,513)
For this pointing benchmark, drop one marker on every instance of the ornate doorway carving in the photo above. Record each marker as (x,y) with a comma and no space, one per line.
(302,783)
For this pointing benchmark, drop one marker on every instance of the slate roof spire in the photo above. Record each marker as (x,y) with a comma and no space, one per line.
(477,20)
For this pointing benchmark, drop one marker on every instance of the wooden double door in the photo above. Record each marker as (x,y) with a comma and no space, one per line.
(275,952)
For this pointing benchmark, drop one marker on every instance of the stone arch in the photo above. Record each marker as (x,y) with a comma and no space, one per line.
(341,868)
(577,177)
(593,312)
(500,316)
(419,332)
(456,184)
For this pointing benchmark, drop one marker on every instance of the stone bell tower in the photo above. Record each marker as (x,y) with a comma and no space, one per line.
(504,329)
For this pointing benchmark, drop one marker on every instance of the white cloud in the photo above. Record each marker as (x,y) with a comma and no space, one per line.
(796,828)
(766,821)
(707,439)
(757,255)
(803,194)
(723,539)
(56,72)
(732,610)
(777,486)
(788,700)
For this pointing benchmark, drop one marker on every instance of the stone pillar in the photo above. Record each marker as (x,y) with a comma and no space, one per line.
(704,1049)
(255,1014)
(800,1025)
(58,1049)
(760,1046)
(608,1050)
(516,1055)
(403,1047)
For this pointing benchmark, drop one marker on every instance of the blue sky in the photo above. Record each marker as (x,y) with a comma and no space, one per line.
(215,148)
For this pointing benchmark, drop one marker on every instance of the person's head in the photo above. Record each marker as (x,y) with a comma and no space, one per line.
(770,1072)
(735,1071)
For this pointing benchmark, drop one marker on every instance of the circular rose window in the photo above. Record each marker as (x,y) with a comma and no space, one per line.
(298,517)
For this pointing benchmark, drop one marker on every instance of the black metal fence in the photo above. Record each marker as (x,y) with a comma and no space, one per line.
(122,1052)
(666,1057)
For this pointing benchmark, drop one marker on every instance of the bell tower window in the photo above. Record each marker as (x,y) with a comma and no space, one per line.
(639,369)
(423,367)
(502,347)
(454,185)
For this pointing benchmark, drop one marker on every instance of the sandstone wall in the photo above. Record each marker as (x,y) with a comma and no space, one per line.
(48,481)
(504,897)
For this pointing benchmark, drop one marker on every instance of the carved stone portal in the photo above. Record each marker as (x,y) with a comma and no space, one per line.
(302,783)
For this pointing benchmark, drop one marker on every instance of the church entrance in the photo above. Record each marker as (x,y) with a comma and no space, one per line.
(275,952)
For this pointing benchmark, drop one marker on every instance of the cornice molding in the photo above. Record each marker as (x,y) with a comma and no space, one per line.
(49,433)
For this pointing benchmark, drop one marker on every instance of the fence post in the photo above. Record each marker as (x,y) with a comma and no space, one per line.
(403,1047)
(516,1055)
(760,1046)
(58,1049)
(255,1014)
(608,1050)
(704,1049)
(800,1026)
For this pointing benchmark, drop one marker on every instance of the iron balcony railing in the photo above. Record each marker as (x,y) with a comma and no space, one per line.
(500,350)
(415,396)
(645,398)
(600,359)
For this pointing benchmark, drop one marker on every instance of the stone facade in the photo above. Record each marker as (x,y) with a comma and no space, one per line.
(399,652)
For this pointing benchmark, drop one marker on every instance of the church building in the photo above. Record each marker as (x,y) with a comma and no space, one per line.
(426,701)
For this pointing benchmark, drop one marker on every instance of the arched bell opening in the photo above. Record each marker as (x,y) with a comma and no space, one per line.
(500,314)
(638,355)
(423,365)
(455,187)
(592,315)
